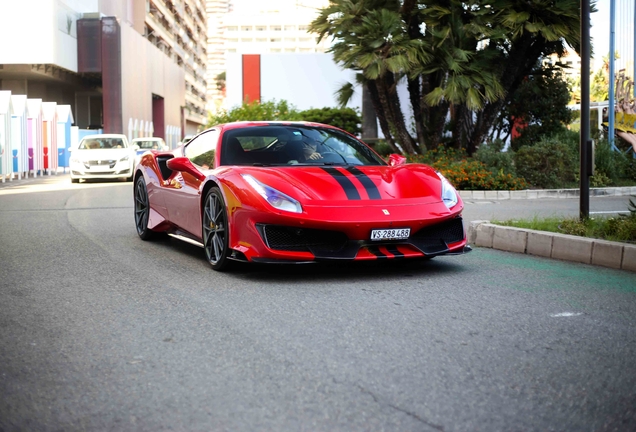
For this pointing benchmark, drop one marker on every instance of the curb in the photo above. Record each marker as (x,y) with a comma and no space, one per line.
(543,193)
(564,247)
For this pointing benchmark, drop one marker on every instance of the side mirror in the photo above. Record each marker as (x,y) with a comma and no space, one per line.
(396,159)
(183,164)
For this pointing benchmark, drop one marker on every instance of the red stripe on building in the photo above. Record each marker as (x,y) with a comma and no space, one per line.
(251,78)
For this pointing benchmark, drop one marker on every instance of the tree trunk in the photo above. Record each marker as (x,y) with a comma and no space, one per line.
(415,96)
(379,111)
(369,119)
(395,110)
(518,65)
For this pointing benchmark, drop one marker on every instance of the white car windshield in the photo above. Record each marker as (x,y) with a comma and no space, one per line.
(101,143)
(149,144)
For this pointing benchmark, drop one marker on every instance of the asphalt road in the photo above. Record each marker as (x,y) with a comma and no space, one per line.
(102,331)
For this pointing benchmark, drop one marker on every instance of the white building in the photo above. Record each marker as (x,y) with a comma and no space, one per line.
(117,63)
(258,27)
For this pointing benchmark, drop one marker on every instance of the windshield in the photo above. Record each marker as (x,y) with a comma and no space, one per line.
(294,145)
(101,143)
(150,144)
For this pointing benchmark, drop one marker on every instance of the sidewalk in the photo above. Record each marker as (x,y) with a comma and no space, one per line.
(553,245)
(545,193)
(482,233)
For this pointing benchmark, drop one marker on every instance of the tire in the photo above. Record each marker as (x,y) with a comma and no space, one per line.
(215,230)
(74,180)
(142,210)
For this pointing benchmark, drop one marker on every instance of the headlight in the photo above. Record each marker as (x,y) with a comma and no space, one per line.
(125,158)
(275,198)
(449,194)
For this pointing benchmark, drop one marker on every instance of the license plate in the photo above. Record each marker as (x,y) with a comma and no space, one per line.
(100,168)
(390,234)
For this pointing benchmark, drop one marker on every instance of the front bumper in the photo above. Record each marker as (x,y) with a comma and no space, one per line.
(118,170)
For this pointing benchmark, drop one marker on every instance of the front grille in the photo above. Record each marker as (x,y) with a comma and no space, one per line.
(447,232)
(301,239)
(106,162)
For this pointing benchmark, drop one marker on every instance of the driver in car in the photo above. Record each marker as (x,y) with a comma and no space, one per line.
(309,150)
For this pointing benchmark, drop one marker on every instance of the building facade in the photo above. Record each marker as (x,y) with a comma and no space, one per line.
(118,63)
(258,27)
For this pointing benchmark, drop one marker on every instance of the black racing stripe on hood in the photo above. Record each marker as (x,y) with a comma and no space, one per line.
(346,184)
(368,184)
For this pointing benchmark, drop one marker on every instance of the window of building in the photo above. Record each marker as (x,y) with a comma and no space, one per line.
(290,27)
(232,28)
(246,28)
(304,39)
(260,28)
(274,50)
(247,40)
(276,28)
(290,49)
(306,50)
(303,27)
(290,39)
(232,50)
(232,40)
(274,40)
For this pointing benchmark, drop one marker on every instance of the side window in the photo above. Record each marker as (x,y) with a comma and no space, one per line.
(202,149)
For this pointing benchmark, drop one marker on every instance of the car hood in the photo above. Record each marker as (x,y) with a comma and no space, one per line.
(358,185)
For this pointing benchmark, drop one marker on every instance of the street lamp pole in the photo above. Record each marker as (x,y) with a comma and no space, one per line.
(584,139)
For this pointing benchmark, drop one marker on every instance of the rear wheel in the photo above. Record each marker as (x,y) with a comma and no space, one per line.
(215,230)
(142,210)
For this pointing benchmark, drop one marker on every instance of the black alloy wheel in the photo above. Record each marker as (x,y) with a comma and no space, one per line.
(142,210)
(215,230)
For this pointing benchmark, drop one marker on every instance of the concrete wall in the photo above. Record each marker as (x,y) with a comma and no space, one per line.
(157,74)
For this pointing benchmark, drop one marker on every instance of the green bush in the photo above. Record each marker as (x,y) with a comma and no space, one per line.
(343,118)
(382,148)
(495,159)
(548,164)
(465,173)
(255,111)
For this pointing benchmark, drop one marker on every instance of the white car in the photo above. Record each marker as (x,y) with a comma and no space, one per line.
(152,144)
(105,156)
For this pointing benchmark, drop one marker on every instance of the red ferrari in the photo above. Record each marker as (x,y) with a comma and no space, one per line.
(295,192)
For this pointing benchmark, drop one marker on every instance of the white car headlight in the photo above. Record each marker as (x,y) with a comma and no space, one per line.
(274,198)
(125,158)
(449,194)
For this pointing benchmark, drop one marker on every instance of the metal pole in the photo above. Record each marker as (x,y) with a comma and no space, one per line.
(584,196)
(612,48)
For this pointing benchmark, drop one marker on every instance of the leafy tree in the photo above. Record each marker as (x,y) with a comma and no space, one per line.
(599,85)
(344,118)
(460,58)
(255,111)
(541,102)
(220,82)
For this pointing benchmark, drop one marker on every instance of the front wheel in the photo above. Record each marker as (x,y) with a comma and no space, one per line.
(142,210)
(215,230)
